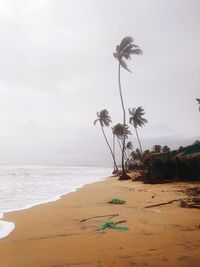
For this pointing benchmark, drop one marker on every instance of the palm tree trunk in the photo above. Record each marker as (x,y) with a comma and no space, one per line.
(125,155)
(115,169)
(109,148)
(124,120)
(139,142)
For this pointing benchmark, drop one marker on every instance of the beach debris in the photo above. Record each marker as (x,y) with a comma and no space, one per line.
(100,216)
(192,203)
(117,201)
(193,191)
(193,200)
(137,190)
(163,203)
(189,202)
(113,225)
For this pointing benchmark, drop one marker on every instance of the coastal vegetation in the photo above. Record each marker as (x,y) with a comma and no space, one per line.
(183,163)
(157,148)
(160,162)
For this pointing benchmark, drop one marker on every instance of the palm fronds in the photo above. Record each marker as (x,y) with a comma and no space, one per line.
(136,117)
(125,50)
(103,118)
(129,145)
(118,130)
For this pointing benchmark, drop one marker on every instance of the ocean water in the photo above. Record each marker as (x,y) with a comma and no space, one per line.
(25,186)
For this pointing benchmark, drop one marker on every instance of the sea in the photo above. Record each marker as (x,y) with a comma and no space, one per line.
(25,186)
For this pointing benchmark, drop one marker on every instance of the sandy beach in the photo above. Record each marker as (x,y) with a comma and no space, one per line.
(51,235)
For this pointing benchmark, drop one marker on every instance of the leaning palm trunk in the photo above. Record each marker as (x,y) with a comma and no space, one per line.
(125,155)
(124,122)
(115,167)
(109,148)
(139,142)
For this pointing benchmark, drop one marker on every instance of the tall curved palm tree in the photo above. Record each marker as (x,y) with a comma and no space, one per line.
(123,52)
(104,120)
(136,118)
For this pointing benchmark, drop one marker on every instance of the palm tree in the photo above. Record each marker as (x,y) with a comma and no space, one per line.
(115,170)
(136,157)
(146,153)
(157,149)
(198,100)
(137,120)
(104,120)
(123,52)
(118,131)
(165,149)
(180,147)
(129,146)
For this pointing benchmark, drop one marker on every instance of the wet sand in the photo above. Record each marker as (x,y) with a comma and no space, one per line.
(51,235)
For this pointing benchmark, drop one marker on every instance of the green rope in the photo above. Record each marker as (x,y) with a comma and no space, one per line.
(110,224)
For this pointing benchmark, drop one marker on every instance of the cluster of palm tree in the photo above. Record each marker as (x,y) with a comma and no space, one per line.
(160,149)
(121,131)
(137,159)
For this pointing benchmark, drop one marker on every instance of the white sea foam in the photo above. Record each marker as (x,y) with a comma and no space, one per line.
(22,187)
(6,228)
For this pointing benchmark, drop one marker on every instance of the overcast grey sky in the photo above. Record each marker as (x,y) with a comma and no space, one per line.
(57,70)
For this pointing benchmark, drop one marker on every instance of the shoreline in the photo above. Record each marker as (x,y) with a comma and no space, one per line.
(7,227)
(51,234)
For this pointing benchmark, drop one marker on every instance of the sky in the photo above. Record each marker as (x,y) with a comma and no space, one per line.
(57,70)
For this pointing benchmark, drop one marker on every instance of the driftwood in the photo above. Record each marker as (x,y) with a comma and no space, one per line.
(99,216)
(163,203)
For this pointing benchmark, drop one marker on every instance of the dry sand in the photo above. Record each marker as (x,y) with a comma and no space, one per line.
(51,235)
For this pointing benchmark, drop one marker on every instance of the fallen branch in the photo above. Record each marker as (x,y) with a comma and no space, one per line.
(163,203)
(99,216)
